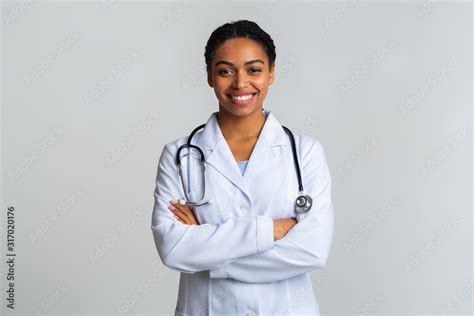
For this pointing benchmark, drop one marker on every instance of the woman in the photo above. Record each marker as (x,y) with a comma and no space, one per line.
(247,251)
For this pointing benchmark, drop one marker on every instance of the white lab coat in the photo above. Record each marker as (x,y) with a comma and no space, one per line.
(230,264)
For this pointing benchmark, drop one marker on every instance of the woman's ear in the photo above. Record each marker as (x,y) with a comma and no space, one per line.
(272,74)
(209,79)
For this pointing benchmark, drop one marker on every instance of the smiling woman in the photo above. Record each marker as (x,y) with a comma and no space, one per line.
(249,248)
(240,70)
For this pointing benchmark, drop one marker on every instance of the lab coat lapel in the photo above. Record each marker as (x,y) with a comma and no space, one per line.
(266,152)
(218,154)
(264,155)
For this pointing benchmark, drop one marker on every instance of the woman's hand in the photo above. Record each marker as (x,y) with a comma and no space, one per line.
(282,226)
(182,213)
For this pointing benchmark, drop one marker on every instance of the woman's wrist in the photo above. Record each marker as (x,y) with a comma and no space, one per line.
(282,226)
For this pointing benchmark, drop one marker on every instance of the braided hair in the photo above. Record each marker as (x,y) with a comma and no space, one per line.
(239,29)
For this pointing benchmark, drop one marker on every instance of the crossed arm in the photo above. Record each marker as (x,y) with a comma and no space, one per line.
(258,249)
(185,215)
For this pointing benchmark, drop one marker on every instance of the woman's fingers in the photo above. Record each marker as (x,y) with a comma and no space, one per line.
(282,226)
(178,213)
(187,211)
(183,212)
(178,219)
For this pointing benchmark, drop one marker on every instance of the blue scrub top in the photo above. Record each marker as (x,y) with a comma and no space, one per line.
(242,165)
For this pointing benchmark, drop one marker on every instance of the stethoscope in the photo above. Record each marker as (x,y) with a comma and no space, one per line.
(303,202)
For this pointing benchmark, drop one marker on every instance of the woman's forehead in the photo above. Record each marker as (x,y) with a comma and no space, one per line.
(240,51)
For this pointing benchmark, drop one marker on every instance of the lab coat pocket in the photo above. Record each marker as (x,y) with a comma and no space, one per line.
(221,207)
(208,213)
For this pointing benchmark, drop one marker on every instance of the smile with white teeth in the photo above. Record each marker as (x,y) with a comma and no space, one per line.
(243,97)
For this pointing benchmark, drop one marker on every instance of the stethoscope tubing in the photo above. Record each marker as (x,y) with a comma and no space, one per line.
(302,203)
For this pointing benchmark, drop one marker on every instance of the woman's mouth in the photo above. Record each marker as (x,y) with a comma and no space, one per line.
(242,99)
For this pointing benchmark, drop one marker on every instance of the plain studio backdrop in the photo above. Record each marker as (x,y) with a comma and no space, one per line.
(92,91)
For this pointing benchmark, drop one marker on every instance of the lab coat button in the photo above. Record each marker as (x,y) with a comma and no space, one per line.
(243,206)
(250,313)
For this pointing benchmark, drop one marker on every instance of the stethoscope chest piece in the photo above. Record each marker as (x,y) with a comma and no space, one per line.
(303,203)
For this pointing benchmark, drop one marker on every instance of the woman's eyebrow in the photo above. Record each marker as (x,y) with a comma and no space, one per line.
(246,63)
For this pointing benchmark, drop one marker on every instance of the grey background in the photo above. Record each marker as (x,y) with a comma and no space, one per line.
(91,92)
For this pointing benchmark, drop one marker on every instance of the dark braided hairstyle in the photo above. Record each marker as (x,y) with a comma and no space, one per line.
(238,29)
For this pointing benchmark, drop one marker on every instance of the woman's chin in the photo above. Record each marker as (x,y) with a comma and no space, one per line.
(239,110)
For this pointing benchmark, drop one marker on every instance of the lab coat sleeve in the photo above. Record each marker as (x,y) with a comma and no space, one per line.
(306,246)
(193,248)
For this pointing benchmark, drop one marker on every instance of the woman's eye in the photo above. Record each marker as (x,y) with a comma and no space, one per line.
(228,71)
(224,71)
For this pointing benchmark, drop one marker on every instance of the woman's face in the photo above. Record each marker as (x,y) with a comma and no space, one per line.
(240,68)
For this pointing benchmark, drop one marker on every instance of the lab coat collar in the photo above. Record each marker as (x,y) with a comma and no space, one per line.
(265,153)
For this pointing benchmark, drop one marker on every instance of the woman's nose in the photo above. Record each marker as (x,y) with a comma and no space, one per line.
(240,81)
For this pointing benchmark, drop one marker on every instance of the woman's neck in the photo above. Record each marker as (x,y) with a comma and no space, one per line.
(240,128)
